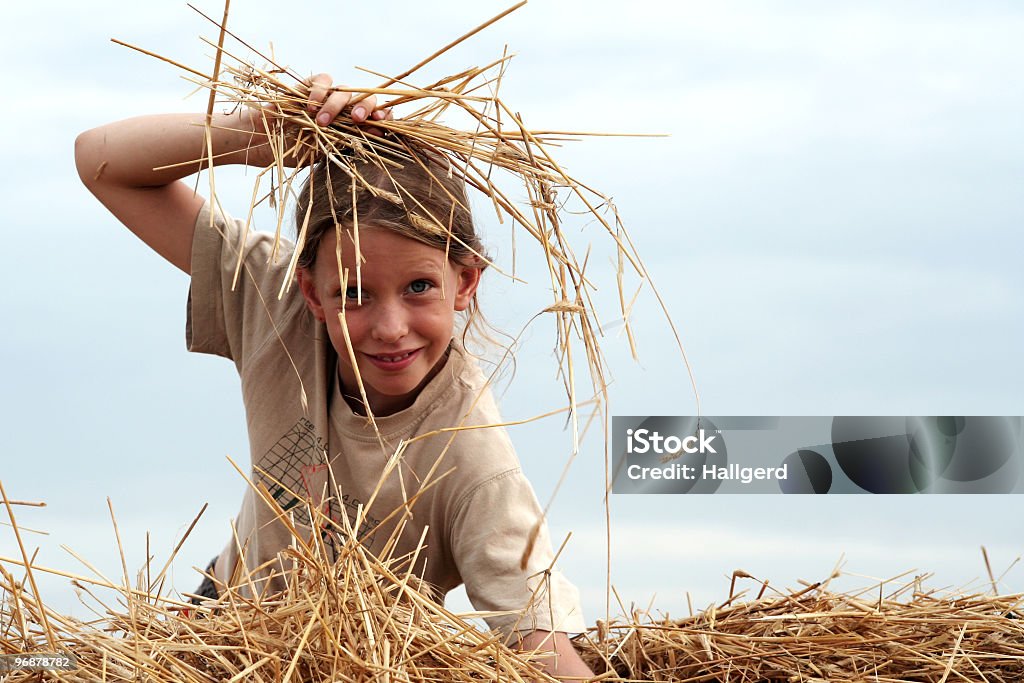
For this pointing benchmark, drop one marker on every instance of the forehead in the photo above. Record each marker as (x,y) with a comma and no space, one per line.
(384,253)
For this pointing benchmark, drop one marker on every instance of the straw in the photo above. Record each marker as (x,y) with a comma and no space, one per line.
(814,635)
(354,617)
(360,617)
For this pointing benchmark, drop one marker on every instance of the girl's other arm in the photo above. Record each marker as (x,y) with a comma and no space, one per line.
(134,167)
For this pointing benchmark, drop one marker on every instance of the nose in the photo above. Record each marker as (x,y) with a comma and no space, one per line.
(390,322)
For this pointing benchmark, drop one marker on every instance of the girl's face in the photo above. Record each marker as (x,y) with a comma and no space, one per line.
(400,316)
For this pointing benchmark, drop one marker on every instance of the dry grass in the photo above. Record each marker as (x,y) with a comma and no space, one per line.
(361,618)
(878,635)
(355,618)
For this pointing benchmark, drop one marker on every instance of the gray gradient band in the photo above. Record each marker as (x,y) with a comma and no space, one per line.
(890,455)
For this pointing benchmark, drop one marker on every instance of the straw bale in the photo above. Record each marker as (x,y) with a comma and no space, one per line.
(814,635)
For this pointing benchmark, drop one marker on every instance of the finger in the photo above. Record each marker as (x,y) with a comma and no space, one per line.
(363,108)
(319,86)
(382,114)
(335,102)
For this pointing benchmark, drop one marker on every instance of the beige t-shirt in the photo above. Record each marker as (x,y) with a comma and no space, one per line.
(479,515)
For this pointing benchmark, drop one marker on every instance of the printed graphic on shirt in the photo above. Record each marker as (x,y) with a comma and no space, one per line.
(295,471)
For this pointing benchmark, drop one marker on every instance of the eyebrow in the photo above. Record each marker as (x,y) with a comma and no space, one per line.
(427,266)
(417,269)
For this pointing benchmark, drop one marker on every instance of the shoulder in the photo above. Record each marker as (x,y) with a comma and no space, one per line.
(472,388)
(221,236)
(482,445)
(241,295)
(470,406)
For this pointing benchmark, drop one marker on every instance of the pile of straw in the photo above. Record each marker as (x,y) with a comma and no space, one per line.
(815,636)
(363,619)
(359,618)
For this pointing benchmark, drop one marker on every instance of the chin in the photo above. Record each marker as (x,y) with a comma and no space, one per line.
(393,389)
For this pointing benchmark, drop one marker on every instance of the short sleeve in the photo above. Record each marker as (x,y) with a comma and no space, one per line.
(229,316)
(491,532)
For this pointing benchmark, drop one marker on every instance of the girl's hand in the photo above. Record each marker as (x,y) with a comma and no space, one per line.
(328,102)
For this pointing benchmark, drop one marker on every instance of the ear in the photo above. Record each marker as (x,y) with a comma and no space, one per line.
(469,280)
(308,286)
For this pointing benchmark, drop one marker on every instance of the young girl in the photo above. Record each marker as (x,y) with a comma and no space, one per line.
(317,362)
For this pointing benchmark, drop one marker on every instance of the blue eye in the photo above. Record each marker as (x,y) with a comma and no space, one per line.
(419,286)
(352,293)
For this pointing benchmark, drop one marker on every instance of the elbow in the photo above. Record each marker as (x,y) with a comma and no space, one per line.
(87,161)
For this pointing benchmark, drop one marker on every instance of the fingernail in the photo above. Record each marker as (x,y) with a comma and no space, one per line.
(359,113)
(323,119)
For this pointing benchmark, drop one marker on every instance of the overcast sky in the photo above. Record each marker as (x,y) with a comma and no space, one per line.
(834,222)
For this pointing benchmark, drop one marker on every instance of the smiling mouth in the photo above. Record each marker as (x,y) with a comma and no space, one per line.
(393,361)
(394,358)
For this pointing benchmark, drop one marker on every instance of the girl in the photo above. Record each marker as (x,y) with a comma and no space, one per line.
(345,346)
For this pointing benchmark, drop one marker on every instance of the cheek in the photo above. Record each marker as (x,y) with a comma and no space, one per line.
(337,334)
(439,319)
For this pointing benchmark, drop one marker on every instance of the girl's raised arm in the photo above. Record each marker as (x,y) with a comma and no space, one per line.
(117,161)
(134,167)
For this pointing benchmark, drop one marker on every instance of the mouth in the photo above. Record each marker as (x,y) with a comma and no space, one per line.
(393,361)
